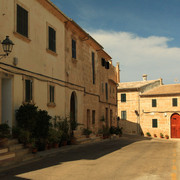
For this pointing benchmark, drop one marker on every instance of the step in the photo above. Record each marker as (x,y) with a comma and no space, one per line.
(12,142)
(3,150)
(15,147)
(5,156)
(21,153)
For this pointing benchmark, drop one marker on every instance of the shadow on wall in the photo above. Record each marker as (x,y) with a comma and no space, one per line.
(130,127)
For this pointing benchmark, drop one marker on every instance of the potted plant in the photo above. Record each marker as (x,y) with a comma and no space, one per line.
(166,136)
(4,134)
(161,135)
(155,135)
(34,146)
(54,137)
(148,134)
(105,132)
(86,132)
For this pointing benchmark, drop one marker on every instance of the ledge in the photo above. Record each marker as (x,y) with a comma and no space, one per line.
(51,104)
(51,52)
(24,38)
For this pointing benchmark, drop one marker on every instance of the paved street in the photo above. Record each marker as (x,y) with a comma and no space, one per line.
(126,158)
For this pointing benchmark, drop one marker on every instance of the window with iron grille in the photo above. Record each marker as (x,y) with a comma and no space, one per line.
(73,49)
(52,39)
(28,90)
(22,21)
(174,102)
(154,103)
(123,115)
(123,97)
(51,94)
(154,123)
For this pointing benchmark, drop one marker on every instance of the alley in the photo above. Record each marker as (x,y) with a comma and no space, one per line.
(125,158)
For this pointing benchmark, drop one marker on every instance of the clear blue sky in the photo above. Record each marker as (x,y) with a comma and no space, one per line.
(143,35)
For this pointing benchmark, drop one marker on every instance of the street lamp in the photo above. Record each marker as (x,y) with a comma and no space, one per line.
(7,45)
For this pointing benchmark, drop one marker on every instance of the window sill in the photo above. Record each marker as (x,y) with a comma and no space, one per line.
(74,60)
(25,103)
(24,38)
(51,104)
(51,52)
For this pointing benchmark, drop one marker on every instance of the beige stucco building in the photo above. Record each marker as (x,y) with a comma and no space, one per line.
(149,106)
(54,64)
(129,103)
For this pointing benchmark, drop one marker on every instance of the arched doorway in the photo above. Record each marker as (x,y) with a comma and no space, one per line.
(175,126)
(73,110)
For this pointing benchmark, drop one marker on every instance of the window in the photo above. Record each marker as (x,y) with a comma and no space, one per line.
(103,61)
(51,94)
(22,21)
(73,49)
(154,123)
(123,115)
(106,85)
(154,103)
(28,90)
(102,87)
(93,116)
(93,68)
(123,97)
(52,39)
(174,102)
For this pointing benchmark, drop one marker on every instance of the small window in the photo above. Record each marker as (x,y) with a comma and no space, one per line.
(123,115)
(22,21)
(73,49)
(52,39)
(28,90)
(154,103)
(93,116)
(51,94)
(93,67)
(123,97)
(103,61)
(154,123)
(106,85)
(102,87)
(174,102)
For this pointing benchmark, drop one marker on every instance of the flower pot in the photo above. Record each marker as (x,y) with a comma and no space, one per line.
(87,136)
(34,150)
(55,145)
(64,143)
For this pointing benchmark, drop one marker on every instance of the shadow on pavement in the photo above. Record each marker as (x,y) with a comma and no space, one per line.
(90,151)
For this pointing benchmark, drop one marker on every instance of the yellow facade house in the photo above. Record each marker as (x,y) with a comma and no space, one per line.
(129,103)
(55,65)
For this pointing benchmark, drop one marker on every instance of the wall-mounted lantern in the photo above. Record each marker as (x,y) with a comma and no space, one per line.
(7,45)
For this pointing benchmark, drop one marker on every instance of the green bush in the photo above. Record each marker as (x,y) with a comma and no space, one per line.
(4,130)
(26,117)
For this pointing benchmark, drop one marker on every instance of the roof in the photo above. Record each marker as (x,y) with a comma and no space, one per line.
(170,89)
(135,85)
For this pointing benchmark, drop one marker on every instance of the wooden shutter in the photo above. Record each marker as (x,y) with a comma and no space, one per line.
(52,39)
(22,21)
(93,68)
(73,49)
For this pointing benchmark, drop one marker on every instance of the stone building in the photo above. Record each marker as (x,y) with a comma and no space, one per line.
(149,106)
(160,111)
(55,65)
(129,103)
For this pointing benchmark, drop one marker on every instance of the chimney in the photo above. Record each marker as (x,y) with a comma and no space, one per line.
(118,72)
(144,77)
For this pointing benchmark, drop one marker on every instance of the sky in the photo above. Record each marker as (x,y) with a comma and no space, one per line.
(142,35)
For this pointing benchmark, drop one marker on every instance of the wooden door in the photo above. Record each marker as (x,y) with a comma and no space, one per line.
(175,126)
